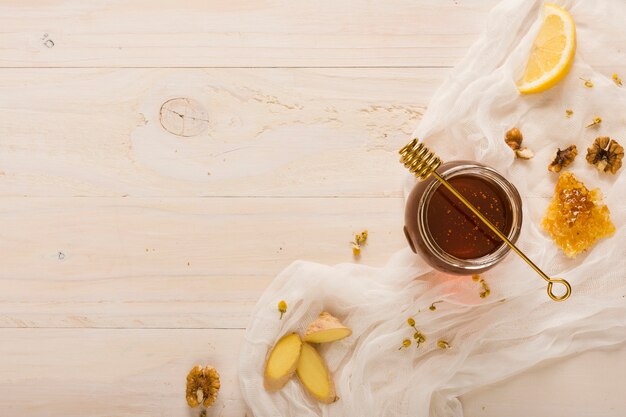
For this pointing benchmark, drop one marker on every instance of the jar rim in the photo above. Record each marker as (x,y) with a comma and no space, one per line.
(489,260)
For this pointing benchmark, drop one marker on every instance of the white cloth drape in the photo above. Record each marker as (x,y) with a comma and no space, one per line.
(491,339)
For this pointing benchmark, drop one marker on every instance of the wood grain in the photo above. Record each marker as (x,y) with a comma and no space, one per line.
(270,132)
(113,372)
(238,33)
(171,263)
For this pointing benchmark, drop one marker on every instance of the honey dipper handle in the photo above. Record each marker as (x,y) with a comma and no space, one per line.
(494,229)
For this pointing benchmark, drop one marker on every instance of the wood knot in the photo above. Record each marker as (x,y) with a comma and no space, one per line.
(183,117)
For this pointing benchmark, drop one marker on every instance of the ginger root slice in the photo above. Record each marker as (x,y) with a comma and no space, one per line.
(282,362)
(326,328)
(314,375)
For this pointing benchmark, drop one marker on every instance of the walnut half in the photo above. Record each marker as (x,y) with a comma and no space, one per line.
(606,154)
(203,385)
(563,158)
(513,139)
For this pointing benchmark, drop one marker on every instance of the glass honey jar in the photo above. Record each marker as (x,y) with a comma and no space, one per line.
(449,236)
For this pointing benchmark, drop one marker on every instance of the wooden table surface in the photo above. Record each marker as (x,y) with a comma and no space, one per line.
(162,160)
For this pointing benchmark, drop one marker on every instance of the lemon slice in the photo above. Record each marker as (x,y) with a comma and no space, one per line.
(552,53)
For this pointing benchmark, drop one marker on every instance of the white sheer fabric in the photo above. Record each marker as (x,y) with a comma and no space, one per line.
(491,339)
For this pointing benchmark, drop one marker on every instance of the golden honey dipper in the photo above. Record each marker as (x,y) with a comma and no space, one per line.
(423,163)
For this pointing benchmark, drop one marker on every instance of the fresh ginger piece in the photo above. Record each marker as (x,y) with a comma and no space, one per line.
(282,362)
(314,375)
(326,329)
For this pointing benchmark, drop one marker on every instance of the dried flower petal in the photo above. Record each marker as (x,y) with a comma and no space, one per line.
(588,83)
(442,344)
(484,288)
(617,79)
(405,344)
(419,338)
(282,307)
(606,154)
(203,385)
(433,307)
(569,113)
(596,121)
(360,239)
(563,158)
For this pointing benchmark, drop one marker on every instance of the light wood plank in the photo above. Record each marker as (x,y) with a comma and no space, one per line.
(270,132)
(106,372)
(177,301)
(153,263)
(238,33)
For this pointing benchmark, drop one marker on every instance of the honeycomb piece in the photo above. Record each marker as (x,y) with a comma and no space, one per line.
(576,217)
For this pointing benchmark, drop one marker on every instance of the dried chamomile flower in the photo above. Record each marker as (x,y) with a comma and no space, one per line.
(419,338)
(569,113)
(513,139)
(588,83)
(563,158)
(606,154)
(405,344)
(282,308)
(485,291)
(484,288)
(617,79)
(411,323)
(203,385)
(433,307)
(360,239)
(442,344)
(596,121)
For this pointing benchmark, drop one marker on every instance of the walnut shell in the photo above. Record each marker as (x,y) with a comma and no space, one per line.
(606,154)
(203,385)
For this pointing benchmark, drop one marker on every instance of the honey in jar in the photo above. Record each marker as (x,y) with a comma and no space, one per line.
(448,235)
